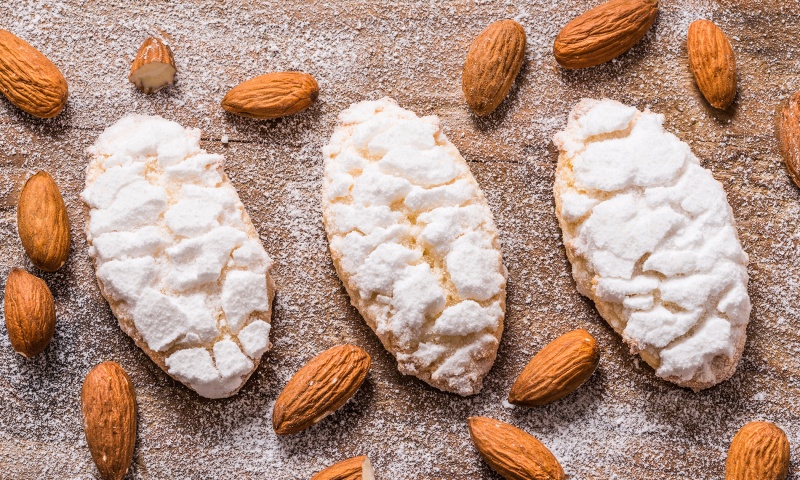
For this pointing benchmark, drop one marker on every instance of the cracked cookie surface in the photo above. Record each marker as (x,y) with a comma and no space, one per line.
(176,255)
(415,244)
(652,240)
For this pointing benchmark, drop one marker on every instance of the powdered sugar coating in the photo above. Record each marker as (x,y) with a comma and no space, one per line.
(415,243)
(652,240)
(176,255)
(625,423)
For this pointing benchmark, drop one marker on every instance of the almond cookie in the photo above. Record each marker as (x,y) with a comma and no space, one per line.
(415,244)
(652,242)
(176,254)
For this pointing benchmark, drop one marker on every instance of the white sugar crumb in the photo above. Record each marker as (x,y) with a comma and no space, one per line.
(651,237)
(416,269)
(173,256)
(623,423)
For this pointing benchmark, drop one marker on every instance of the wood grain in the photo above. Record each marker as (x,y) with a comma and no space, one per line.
(623,423)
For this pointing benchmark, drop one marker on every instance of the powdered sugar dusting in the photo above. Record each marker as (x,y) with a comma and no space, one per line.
(176,255)
(415,243)
(651,238)
(624,423)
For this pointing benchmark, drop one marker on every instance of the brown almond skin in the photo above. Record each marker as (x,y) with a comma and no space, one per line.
(28,79)
(108,404)
(787,130)
(152,50)
(712,62)
(319,388)
(493,62)
(557,370)
(604,32)
(759,451)
(29,311)
(513,453)
(272,95)
(350,469)
(42,222)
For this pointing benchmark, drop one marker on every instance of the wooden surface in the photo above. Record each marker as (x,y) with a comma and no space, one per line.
(623,424)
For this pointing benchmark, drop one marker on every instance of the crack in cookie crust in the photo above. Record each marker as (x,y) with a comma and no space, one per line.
(652,241)
(176,255)
(415,244)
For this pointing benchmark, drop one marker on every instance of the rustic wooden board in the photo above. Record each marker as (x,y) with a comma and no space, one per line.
(624,423)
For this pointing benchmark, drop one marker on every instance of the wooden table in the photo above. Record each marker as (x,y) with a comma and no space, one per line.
(624,423)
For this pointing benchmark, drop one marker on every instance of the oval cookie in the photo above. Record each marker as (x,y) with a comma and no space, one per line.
(415,244)
(652,241)
(176,254)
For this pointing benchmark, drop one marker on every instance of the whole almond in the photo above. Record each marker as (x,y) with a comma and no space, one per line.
(319,388)
(28,79)
(511,452)
(42,222)
(355,468)
(760,451)
(557,370)
(108,403)
(788,133)
(30,313)
(493,62)
(154,66)
(272,95)
(604,32)
(712,62)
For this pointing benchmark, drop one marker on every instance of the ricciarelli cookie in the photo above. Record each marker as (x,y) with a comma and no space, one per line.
(652,241)
(415,244)
(176,254)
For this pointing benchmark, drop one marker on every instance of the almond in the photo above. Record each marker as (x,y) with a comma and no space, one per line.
(604,32)
(319,388)
(356,468)
(272,95)
(788,133)
(712,62)
(557,370)
(28,79)
(493,62)
(154,66)
(42,222)
(108,404)
(30,313)
(511,452)
(759,451)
